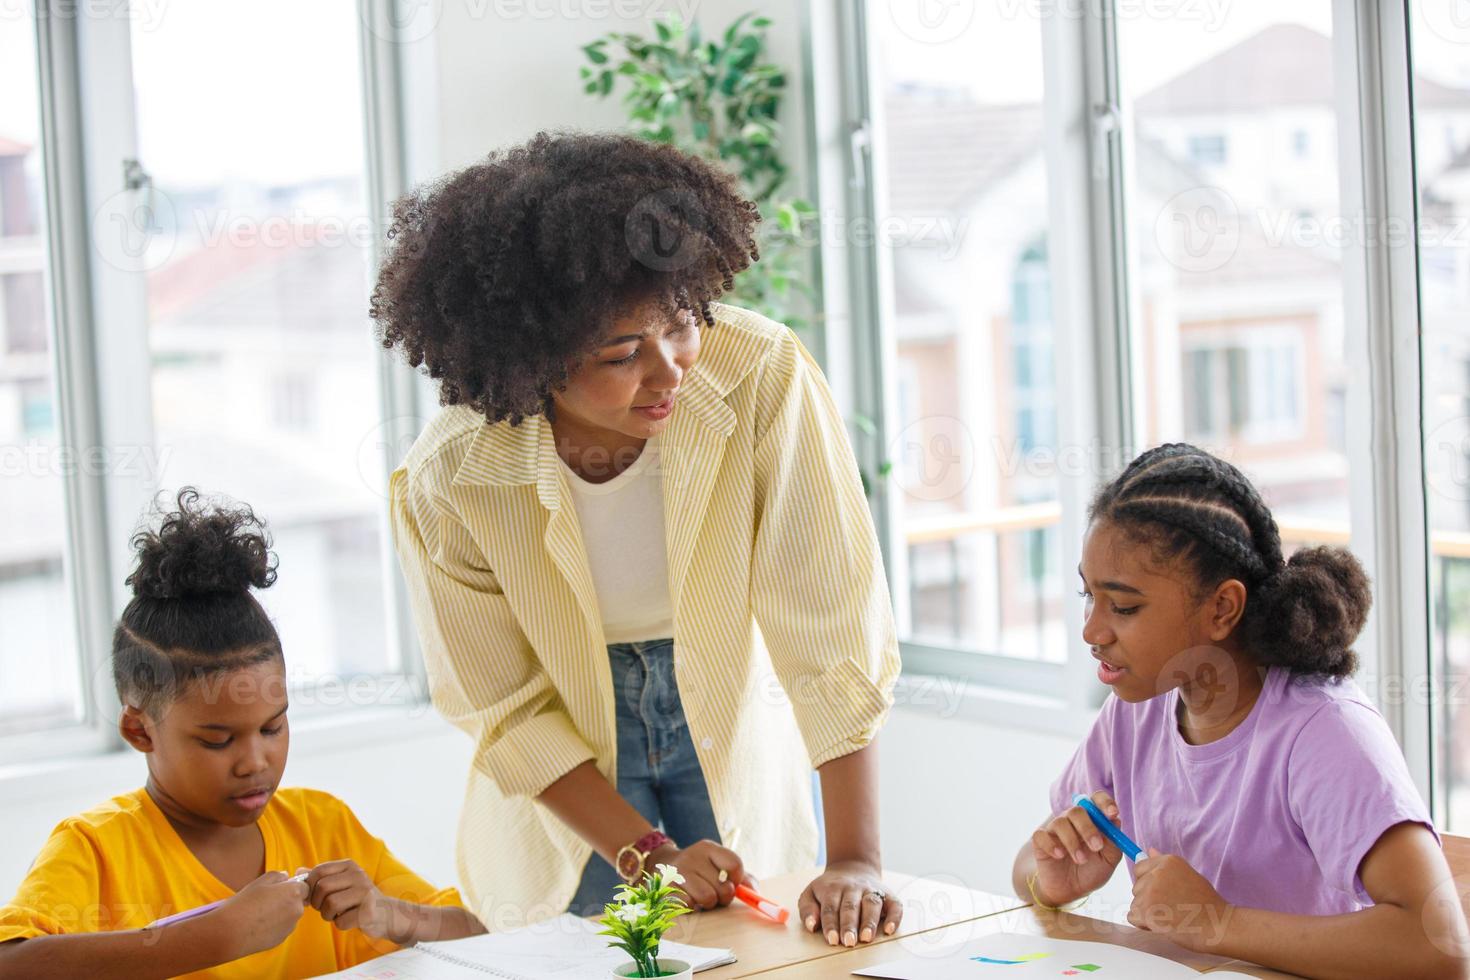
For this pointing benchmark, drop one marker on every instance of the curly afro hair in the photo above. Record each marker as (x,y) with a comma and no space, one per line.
(502,276)
(1303,614)
(192,614)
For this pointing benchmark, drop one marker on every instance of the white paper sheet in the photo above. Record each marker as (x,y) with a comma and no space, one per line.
(564,948)
(1006,955)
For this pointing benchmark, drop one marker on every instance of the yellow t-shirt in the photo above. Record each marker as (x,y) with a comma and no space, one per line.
(121,865)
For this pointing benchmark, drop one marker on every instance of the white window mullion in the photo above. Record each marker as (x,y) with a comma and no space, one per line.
(1121,400)
(856,327)
(1083,151)
(102,384)
(120,232)
(1381,312)
(400,414)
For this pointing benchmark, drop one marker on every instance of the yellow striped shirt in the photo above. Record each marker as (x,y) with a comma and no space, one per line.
(783,632)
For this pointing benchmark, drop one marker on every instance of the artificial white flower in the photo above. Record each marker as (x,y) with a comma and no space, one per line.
(670,874)
(631,914)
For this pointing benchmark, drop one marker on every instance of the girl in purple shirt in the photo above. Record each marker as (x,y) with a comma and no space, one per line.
(1279,818)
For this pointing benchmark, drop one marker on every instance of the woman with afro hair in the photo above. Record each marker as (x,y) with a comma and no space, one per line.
(642,567)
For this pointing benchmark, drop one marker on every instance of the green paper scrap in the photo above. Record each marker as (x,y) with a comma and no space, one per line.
(1089,967)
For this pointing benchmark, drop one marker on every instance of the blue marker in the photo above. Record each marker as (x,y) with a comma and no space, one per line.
(1132,850)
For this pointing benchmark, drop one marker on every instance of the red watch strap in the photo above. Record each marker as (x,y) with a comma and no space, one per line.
(633,859)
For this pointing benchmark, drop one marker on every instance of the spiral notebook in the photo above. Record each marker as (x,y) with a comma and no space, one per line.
(563,948)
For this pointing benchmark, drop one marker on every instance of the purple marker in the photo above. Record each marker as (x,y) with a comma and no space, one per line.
(191,913)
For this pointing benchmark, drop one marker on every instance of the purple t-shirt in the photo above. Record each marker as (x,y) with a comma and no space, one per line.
(1278,814)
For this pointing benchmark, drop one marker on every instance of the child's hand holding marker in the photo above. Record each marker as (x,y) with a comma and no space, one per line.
(263,913)
(1073,857)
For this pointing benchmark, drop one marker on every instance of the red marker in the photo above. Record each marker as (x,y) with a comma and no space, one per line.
(764,906)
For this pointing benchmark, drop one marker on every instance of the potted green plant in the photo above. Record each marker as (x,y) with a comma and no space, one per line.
(719,97)
(637,920)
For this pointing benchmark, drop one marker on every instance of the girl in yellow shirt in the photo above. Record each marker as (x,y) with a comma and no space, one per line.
(200,673)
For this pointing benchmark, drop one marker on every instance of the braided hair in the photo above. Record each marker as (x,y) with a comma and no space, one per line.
(192,614)
(1303,614)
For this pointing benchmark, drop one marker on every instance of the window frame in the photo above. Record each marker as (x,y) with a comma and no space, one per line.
(1090,192)
(1382,323)
(97,318)
(1080,84)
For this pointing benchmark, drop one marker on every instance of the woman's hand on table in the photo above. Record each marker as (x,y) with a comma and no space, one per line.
(849,904)
(702,864)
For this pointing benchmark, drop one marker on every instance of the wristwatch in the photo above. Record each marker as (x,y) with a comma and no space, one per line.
(632,857)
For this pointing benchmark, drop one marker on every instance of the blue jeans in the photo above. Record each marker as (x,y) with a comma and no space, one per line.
(658,770)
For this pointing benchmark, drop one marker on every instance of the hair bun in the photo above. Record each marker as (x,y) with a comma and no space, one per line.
(202,550)
(1319,603)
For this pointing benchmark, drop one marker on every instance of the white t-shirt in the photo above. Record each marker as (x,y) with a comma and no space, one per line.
(622,524)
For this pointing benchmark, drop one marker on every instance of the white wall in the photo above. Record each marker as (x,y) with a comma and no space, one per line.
(960,796)
(504,69)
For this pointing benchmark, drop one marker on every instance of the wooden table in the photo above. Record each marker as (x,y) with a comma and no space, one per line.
(939,912)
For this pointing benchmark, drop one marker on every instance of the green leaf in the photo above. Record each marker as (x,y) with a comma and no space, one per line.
(787,218)
(663,31)
(734,28)
(755,134)
(605,82)
(866,424)
(594,52)
(760,23)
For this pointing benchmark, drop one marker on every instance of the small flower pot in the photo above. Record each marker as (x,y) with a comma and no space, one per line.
(669,970)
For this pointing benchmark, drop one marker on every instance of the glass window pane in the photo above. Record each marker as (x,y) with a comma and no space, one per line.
(264,380)
(1238,307)
(1442,165)
(39,677)
(964,218)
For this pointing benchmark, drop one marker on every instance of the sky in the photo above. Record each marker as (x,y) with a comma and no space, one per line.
(267,90)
